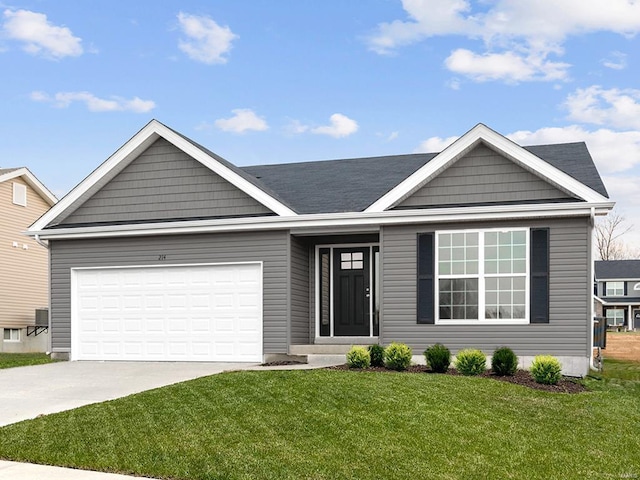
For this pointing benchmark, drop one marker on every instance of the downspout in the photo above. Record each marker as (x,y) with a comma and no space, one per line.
(592,222)
(37,239)
(46,245)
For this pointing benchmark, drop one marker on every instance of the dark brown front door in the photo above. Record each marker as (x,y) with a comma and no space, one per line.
(351,291)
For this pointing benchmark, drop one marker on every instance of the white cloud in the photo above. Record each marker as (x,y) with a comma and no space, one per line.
(392,136)
(518,35)
(616,61)
(39,36)
(295,127)
(93,103)
(611,151)
(340,126)
(206,41)
(614,107)
(243,120)
(435,144)
(508,66)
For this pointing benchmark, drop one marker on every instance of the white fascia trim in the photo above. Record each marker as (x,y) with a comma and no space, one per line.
(134,147)
(470,139)
(337,220)
(229,175)
(33,182)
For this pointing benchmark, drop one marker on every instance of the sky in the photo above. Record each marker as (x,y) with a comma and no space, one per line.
(264,81)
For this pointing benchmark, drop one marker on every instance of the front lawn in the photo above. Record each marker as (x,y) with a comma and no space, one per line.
(9,360)
(328,424)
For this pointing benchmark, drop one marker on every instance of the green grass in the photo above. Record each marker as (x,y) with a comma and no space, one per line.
(10,360)
(343,425)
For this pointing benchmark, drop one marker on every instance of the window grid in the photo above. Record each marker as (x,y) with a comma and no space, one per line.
(11,334)
(615,317)
(498,284)
(615,289)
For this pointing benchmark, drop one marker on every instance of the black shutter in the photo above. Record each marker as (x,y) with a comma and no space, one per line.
(425,278)
(625,289)
(539,295)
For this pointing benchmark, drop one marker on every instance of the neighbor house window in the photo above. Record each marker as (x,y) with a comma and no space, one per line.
(615,289)
(20,194)
(615,317)
(482,275)
(11,334)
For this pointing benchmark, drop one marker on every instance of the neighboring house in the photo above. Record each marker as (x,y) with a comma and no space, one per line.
(24,263)
(618,292)
(169,252)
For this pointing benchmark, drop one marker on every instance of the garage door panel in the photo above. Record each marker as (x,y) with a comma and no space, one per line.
(182,313)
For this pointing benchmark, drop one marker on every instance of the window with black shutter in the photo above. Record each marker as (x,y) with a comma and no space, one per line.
(539,295)
(425,285)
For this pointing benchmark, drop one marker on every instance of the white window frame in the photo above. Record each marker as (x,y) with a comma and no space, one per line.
(615,318)
(19,194)
(481,276)
(14,335)
(619,286)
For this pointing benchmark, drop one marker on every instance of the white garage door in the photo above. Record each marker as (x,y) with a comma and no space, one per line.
(168,313)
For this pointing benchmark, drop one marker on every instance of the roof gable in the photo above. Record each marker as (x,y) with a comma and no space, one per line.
(136,146)
(483,176)
(482,134)
(30,179)
(163,184)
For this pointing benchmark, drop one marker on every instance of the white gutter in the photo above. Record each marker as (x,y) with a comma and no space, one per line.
(372,220)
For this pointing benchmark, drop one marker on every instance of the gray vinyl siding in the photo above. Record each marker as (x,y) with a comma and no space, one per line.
(164,183)
(483,176)
(300,317)
(567,333)
(267,247)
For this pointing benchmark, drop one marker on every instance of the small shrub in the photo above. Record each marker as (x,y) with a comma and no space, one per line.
(438,357)
(546,369)
(376,352)
(358,357)
(397,356)
(504,361)
(471,361)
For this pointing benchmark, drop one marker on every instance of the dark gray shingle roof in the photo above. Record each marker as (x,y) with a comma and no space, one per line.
(352,185)
(337,185)
(613,269)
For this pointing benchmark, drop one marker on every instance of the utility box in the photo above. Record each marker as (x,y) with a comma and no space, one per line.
(600,332)
(42,317)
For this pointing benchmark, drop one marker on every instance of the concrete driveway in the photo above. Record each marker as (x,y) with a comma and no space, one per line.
(26,392)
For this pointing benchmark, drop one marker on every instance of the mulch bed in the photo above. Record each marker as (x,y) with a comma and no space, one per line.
(521,377)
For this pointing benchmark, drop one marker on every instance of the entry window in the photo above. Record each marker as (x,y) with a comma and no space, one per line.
(11,334)
(351,261)
(615,317)
(482,275)
(615,289)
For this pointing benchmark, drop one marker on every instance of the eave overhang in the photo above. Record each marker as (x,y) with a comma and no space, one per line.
(370,221)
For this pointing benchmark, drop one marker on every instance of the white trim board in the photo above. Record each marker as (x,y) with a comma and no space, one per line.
(482,133)
(371,220)
(133,148)
(31,180)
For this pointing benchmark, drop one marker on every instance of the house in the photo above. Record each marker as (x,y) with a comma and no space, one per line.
(24,263)
(169,252)
(617,293)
